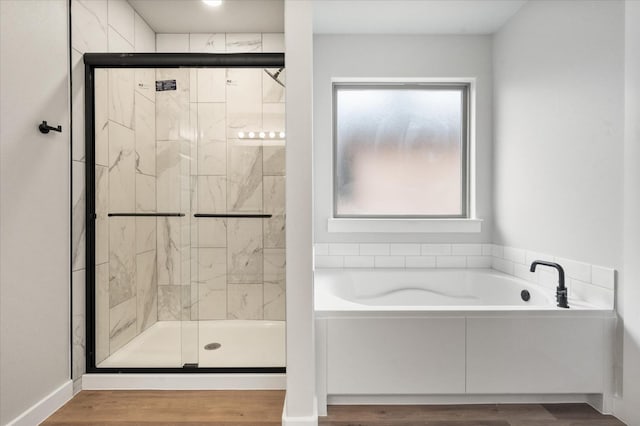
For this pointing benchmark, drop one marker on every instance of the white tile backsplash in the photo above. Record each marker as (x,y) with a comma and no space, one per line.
(451,261)
(374,249)
(404,249)
(389,262)
(466,249)
(603,277)
(345,249)
(435,249)
(420,262)
(358,262)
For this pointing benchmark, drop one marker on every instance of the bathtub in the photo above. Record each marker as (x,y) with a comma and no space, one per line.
(456,335)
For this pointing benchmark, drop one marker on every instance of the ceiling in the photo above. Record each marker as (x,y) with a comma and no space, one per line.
(331,16)
(193,16)
(412,16)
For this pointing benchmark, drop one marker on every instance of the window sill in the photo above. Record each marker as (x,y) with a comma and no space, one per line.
(436,226)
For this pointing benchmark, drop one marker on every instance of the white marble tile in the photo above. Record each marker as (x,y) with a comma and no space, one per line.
(211,84)
(146,230)
(244,100)
(145,135)
(77,99)
(212,302)
(189,338)
(172,43)
(122,324)
(89,25)
(117,43)
(169,259)
(146,290)
(275,231)
(145,193)
(145,84)
(78,293)
(78,344)
(212,146)
(121,96)
(274,266)
(245,301)
(173,121)
(169,302)
(241,42)
(274,203)
(101,116)
(212,268)
(271,90)
(122,259)
(144,36)
(212,232)
(244,256)
(78,216)
(121,18)
(273,159)
(168,169)
(273,117)
(274,302)
(207,43)
(102,209)
(121,169)
(212,194)
(273,42)
(244,185)
(102,312)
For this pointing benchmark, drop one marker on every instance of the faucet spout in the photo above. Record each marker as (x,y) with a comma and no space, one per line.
(561,290)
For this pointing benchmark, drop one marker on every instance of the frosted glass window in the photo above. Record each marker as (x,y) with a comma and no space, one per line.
(400,150)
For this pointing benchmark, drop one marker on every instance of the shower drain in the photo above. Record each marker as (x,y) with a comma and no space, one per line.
(212,346)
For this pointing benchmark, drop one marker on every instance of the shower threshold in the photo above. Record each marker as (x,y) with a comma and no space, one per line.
(174,344)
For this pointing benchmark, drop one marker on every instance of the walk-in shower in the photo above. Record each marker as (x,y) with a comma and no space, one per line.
(186,212)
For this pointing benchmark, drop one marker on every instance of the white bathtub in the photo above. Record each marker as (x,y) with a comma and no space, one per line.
(430,290)
(455,335)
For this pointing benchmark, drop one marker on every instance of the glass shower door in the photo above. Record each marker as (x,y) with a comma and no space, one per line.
(142,230)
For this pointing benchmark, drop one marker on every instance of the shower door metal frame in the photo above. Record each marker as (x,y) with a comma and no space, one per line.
(145,60)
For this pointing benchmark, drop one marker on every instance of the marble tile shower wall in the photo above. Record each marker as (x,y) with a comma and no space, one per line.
(238,264)
(107,26)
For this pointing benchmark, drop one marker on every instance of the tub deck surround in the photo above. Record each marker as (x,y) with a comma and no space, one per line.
(405,333)
(592,283)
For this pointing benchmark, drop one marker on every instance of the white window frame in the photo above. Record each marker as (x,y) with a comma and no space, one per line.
(397,224)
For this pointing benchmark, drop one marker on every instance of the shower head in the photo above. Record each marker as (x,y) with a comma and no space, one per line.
(275,76)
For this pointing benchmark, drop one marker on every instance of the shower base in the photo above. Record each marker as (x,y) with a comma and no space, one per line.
(171,344)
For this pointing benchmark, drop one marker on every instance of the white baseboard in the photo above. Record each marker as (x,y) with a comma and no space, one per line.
(310,420)
(457,399)
(45,407)
(183,381)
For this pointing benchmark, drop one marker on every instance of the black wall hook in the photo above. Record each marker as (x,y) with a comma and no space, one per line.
(45,128)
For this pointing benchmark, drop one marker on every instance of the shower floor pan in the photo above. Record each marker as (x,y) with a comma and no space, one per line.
(172,344)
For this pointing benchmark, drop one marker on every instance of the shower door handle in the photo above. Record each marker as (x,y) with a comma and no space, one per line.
(234,215)
(146,214)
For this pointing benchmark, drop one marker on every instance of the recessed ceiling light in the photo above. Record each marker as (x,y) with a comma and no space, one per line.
(213,3)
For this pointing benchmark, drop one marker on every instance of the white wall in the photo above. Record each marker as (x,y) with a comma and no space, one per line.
(34,205)
(300,406)
(558,78)
(630,306)
(394,56)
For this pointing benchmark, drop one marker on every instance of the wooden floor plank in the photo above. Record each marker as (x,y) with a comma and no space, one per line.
(171,407)
(262,408)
